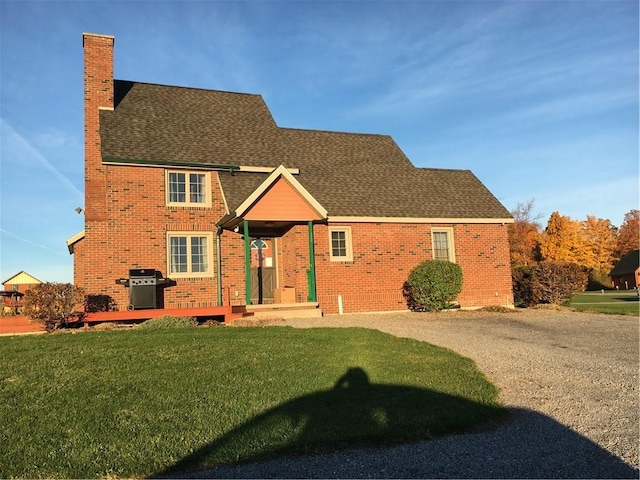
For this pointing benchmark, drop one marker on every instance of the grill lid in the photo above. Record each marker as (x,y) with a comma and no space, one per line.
(142,273)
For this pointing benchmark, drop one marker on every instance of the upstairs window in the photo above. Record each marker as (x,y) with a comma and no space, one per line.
(442,244)
(188,189)
(340,248)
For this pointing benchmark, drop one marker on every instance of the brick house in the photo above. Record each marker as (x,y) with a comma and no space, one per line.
(205,187)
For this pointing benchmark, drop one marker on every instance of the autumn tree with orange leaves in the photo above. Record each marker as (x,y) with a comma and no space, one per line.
(524,235)
(593,245)
(562,240)
(599,237)
(629,234)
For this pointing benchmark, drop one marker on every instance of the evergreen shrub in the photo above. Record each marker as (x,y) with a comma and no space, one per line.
(433,285)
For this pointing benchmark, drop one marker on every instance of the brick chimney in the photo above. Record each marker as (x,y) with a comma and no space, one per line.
(98,94)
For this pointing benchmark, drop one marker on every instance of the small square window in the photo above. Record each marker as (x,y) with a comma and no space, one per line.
(340,248)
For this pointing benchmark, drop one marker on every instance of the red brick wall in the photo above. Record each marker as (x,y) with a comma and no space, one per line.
(294,261)
(136,237)
(94,267)
(384,254)
(233,274)
(625,282)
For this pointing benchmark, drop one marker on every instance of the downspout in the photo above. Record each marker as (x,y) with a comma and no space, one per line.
(311,273)
(219,265)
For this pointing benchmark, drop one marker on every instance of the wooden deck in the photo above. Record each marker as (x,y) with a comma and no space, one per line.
(225,313)
(12,325)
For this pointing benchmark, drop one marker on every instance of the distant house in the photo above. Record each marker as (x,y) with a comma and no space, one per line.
(626,274)
(202,187)
(15,288)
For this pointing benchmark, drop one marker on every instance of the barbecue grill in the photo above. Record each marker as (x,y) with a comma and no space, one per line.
(143,286)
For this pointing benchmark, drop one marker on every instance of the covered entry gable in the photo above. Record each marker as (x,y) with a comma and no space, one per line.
(279,202)
(270,210)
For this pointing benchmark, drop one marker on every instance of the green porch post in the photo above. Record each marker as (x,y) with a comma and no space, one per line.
(311,273)
(247,262)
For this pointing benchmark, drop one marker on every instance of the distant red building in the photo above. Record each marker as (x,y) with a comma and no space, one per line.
(626,274)
(14,290)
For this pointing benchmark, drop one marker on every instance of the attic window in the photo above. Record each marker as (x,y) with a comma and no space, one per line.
(188,189)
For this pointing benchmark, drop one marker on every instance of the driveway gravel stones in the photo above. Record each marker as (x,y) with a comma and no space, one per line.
(569,379)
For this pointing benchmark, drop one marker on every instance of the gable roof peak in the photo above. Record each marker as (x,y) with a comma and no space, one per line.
(25,276)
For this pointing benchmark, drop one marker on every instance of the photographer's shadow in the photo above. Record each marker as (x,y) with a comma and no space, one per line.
(355,412)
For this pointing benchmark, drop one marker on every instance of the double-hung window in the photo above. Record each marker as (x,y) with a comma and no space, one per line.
(189,254)
(442,244)
(340,248)
(188,189)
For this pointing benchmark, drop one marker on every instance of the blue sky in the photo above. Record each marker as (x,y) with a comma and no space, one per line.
(538,98)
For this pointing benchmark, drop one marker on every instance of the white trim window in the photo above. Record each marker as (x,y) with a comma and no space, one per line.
(442,244)
(188,188)
(189,254)
(340,246)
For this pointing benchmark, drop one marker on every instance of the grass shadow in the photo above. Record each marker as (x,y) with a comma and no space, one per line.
(635,298)
(355,412)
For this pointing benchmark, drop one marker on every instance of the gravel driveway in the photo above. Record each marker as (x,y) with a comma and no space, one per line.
(570,380)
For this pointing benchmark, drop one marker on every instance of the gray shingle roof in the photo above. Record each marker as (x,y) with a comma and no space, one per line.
(349,174)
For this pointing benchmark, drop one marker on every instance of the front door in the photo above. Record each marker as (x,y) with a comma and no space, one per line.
(263,270)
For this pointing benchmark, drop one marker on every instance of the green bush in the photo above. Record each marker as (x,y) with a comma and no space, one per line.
(169,321)
(52,303)
(547,282)
(433,285)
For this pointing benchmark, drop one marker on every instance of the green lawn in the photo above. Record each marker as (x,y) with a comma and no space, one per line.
(142,402)
(614,302)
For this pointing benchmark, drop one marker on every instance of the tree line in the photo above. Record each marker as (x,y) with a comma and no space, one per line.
(594,243)
(576,252)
